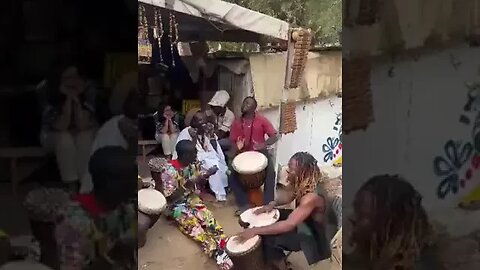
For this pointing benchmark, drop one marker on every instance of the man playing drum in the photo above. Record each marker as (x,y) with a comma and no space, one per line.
(302,229)
(187,209)
(248,134)
(390,228)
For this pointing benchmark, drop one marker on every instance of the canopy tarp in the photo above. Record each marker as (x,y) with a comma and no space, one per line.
(216,20)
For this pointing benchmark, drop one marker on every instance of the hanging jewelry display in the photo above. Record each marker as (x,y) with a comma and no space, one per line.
(144,45)
(173,36)
(158,32)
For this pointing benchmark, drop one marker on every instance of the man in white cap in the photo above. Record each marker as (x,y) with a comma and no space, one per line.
(224,117)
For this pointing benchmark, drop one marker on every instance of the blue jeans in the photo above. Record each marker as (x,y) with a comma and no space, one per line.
(241,194)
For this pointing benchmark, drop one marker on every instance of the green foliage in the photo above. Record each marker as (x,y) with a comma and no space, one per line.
(324,17)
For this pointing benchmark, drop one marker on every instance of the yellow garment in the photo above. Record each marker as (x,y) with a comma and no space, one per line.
(338,161)
(474,195)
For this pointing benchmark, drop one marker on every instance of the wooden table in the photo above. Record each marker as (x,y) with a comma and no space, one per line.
(16,153)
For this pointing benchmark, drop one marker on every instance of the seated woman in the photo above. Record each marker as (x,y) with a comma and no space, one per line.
(390,228)
(168,124)
(98,230)
(302,229)
(69,123)
(185,206)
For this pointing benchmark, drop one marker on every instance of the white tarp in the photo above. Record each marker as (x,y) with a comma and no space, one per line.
(227,13)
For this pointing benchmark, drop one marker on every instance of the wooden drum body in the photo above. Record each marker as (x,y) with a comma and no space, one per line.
(246,255)
(250,167)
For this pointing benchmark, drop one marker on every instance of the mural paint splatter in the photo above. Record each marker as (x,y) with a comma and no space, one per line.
(332,148)
(461,159)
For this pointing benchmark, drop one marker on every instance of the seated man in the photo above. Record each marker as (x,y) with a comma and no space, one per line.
(119,131)
(302,229)
(99,229)
(179,180)
(248,134)
(224,117)
(208,155)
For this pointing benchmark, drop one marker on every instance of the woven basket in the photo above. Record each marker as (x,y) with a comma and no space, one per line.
(357,95)
(288,118)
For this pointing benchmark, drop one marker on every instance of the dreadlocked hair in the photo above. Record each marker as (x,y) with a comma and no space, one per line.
(401,222)
(308,175)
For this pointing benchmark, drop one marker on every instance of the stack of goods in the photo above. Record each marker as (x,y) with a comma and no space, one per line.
(46,204)
(288,119)
(144,45)
(302,42)
(357,95)
(168,180)
(45,207)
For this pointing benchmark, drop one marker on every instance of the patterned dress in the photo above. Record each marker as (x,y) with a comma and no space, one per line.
(87,232)
(192,216)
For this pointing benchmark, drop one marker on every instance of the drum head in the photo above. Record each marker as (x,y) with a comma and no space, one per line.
(151,201)
(235,247)
(250,162)
(261,220)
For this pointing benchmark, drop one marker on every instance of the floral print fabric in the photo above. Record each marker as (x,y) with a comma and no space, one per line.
(81,237)
(195,220)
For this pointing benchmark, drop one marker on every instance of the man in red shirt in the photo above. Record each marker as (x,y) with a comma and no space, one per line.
(248,134)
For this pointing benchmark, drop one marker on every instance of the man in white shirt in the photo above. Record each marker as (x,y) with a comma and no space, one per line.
(209,155)
(121,130)
(224,117)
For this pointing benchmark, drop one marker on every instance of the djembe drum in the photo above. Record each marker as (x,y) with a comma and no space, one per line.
(151,203)
(250,167)
(250,219)
(246,255)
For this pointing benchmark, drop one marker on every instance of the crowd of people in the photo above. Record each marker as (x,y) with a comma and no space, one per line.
(95,226)
(210,140)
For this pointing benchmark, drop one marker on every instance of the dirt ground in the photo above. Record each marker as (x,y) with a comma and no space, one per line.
(168,249)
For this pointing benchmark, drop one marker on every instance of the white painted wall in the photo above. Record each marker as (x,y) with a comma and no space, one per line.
(316,121)
(417,111)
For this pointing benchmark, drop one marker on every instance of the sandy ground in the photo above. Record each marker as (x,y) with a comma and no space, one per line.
(168,249)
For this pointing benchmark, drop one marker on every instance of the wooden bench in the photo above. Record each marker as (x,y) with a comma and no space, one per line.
(16,153)
(147,146)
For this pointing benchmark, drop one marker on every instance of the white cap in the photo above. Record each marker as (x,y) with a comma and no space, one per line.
(220,99)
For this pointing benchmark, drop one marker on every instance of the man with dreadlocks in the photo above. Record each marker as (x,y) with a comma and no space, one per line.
(390,227)
(301,229)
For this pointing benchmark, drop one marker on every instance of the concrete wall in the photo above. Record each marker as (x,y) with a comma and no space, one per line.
(423,132)
(319,127)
